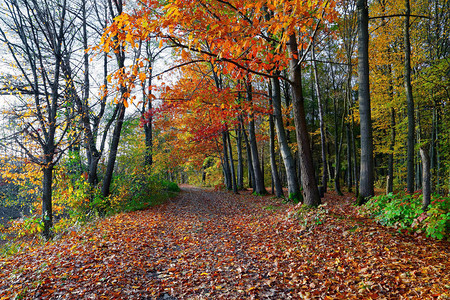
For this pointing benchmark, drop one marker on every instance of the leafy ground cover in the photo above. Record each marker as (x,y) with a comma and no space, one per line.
(405,211)
(208,244)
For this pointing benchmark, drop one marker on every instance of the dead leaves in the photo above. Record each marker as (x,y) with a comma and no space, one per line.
(215,245)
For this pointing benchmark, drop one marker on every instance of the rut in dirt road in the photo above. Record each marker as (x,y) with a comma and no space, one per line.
(216,245)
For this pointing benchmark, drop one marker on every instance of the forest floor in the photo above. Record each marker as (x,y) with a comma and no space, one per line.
(205,244)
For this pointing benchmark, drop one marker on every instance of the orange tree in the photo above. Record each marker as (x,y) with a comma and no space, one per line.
(198,113)
(258,37)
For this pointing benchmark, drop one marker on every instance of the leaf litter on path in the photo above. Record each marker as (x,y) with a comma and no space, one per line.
(206,244)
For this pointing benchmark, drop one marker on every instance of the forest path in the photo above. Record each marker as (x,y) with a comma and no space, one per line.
(207,244)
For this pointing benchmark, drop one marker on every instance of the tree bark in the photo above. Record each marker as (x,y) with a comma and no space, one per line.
(390,181)
(273,164)
(233,173)
(147,106)
(251,173)
(258,177)
(355,160)
(113,151)
(120,57)
(148,131)
(47,211)
(409,104)
(426,178)
(321,124)
(338,139)
(366,187)
(286,154)
(240,164)
(349,158)
(225,163)
(310,190)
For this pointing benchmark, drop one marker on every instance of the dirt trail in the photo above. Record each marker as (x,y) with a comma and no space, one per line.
(216,245)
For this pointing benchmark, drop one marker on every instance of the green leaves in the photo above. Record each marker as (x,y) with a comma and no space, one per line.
(405,211)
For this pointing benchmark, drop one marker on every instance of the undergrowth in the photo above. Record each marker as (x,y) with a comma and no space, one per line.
(75,203)
(404,211)
(310,217)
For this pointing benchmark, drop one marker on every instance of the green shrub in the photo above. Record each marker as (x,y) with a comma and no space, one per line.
(170,186)
(138,191)
(436,221)
(405,211)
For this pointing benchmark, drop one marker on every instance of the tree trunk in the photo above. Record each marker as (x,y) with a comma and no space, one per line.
(433,143)
(258,177)
(321,124)
(286,154)
(337,148)
(233,173)
(349,159)
(262,163)
(310,189)
(287,99)
(355,160)
(409,103)
(437,151)
(203,175)
(418,171)
(113,151)
(251,173)
(148,122)
(390,181)
(276,183)
(226,164)
(350,136)
(147,106)
(148,131)
(366,188)
(120,57)
(95,156)
(240,164)
(47,212)
(426,178)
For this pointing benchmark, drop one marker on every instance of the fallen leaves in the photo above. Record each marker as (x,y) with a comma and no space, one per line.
(216,245)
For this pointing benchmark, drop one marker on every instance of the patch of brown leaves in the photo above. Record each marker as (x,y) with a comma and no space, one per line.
(206,244)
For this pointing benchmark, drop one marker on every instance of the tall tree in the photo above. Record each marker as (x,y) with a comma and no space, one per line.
(283,142)
(259,187)
(310,188)
(366,187)
(409,103)
(37,49)
(321,123)
(276,182)
(116,9)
